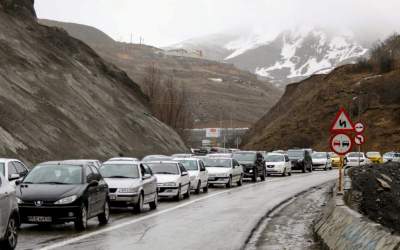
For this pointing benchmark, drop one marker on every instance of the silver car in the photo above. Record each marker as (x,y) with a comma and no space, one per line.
(9,216)
(13,169)
(130,184)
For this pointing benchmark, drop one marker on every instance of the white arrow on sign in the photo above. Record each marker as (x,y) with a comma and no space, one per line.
(359,127)
(359,139)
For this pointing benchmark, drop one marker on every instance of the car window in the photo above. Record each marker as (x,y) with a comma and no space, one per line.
(287,158)
(202,167)
(147,170)
(19,167)
(11,169)
(2,169)
(164,168)
(235,163)
(88,172)
(54,174)
(182,168)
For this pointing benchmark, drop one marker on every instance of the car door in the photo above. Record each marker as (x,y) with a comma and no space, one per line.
(235,170)
(4,206)
(203,173)
(185,179)
(11,172)
(146,183)
(288,164)
(102,189)
(21,169)
(152,182)
(92,192)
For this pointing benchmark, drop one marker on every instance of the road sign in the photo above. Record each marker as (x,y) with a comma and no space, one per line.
(359,127)
(359,139)
(213,132)
(341,144)
(342,122)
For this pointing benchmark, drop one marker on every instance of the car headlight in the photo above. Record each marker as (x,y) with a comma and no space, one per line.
(66,200)
(19,201)
(167,184)
(127,190)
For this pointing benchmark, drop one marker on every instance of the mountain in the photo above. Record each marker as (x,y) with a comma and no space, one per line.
(283,57)
(368,90)
(60,100)
(219,94)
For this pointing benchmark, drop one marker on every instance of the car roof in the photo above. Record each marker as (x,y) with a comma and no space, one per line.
(186,159)
(274,153)
(244,151)
(8,159)
(66,162)
(121,162)
(123,159)
(163,162)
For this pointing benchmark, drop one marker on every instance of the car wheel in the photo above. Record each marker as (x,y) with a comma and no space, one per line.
(179,196)
(284,173)
(105,216)
(11,236)
(229,184)
(240,182)
(326,167)
(138,207)
(211,185)
(205,189)
(187,195)
(290,173)
(310,169)
(254,177)
(304,169)
(263,175)
(154,203)
(198,189)
(82,219)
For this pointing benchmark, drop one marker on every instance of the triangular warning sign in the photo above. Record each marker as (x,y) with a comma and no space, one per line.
(342,122)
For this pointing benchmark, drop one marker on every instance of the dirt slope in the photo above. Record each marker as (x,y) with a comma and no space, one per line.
(303,116)
(217,91)
(59,99)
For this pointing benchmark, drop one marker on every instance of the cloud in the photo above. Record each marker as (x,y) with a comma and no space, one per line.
(163,22)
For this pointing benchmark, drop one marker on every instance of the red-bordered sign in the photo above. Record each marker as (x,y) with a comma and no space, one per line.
(359,139)
(342,122)
(341,143)
(359,127)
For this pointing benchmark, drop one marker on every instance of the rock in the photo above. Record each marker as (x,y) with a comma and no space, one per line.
(387,178)
(383,184)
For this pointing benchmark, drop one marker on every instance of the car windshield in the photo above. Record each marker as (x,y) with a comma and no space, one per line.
(373,154)
(319,155)
(189,164)
(2,171)
(55,174)
(355,155)
(109,170)
(164,168)
(181,156)
(157,158)
(275,158)
(217,163)
(295,153)
(244,156)
(389,155)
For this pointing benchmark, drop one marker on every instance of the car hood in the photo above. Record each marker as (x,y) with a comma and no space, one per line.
(274,163)
(319,160)
(122,182)
(212,170)
(47,192)
(163,178)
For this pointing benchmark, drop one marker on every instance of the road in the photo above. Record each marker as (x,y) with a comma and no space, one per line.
(221,219)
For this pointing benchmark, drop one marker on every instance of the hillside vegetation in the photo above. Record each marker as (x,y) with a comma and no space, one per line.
(368,89)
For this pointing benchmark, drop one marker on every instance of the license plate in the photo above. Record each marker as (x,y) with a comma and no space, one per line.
(113,197)
(39,219)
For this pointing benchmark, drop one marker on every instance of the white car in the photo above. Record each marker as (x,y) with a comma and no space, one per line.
(172,179)
(224,171)
(96,163)
(13,170)
(355,159)
(174,156)
(9,216)
(197,172)
(321,160)
(130,184)
(220,155)
(123,159)
(278,163)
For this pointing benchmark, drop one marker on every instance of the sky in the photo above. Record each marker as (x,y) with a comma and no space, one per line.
(165,22)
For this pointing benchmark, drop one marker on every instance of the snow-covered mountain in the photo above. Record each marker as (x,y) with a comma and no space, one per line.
(282,57)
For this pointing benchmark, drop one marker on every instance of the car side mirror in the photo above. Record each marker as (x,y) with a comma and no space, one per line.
(14,177)
(18,182)
(185,173)
(146,176)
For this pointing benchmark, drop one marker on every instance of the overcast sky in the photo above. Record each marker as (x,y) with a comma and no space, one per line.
(165,22)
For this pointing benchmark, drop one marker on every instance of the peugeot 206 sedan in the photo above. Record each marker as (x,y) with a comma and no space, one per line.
(58,192)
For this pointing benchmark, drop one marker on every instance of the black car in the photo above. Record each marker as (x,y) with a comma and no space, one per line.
(300,159)
(59,192)
(253,164)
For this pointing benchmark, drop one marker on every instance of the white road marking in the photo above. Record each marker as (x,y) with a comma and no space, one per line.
(128,223)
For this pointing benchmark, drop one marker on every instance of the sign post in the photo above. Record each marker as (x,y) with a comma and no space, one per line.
(340,141)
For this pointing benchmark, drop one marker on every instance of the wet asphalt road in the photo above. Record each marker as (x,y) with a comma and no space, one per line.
(220,219)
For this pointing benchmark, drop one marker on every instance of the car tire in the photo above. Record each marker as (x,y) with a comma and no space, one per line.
(263,175)
(105,216)
(326,167)
(284,173)
(11,237)
(179,196)
(153,205)
(187,195)
(138,207)
(290,173)
(198,189)
(229,184)
(240,182)
(254,177)
(210,185)
(82,219)
(304,169)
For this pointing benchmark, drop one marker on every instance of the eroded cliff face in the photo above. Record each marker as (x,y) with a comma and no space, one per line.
(59,99)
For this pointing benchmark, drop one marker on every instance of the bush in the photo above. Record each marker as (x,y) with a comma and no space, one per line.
(362,65)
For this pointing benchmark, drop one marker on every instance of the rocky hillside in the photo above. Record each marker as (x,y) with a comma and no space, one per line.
(60,100)
(284,57)
(217,91)
(369,90)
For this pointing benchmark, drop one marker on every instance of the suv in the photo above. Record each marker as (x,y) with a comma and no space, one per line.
(300,159)
(252,167)
(9,217)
